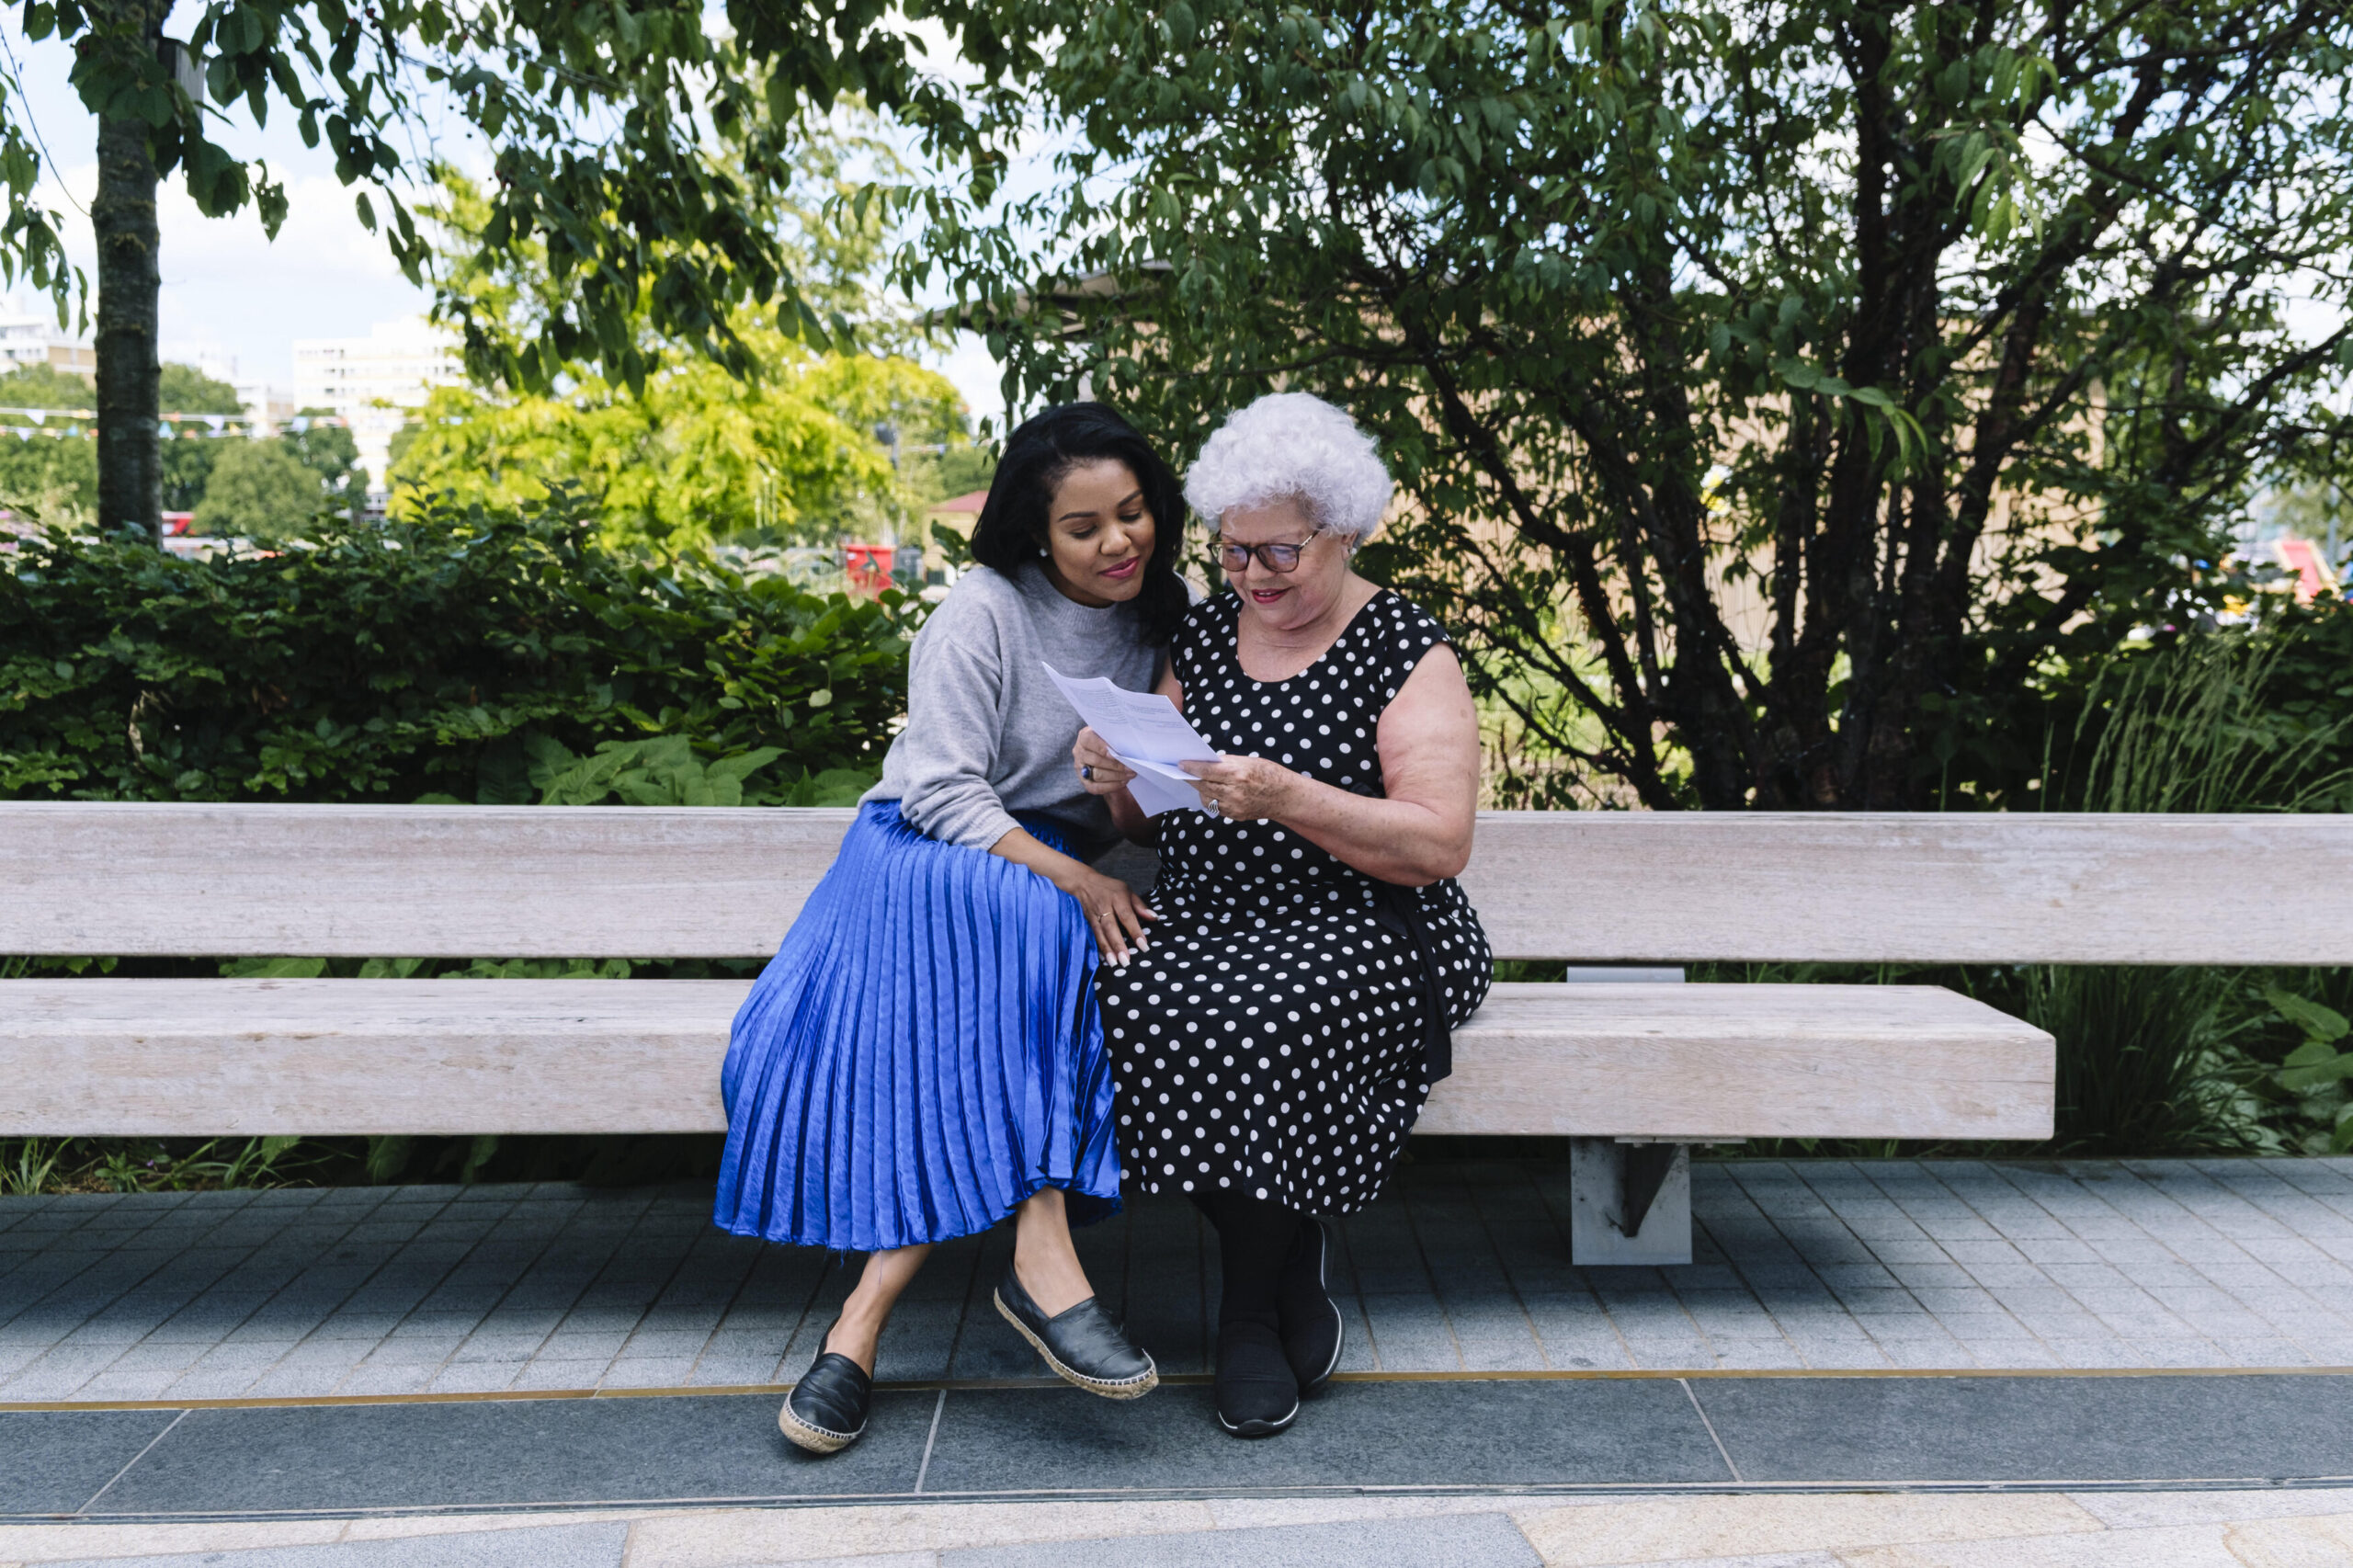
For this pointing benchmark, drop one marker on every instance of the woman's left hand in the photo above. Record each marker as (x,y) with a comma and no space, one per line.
(1245,788)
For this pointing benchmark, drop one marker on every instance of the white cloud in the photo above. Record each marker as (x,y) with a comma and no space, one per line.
(226,283)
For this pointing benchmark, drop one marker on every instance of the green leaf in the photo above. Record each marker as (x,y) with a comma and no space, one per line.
(273,969)
(1797,373)
(2323,1024)
(388,1156)
(478,1154)
(2312,1065)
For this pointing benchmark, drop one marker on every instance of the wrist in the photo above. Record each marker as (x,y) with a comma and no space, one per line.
(1289,795)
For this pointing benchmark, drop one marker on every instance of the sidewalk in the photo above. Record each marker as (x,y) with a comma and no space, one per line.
(2112,1349)
(2178,1529)
(1898,1264)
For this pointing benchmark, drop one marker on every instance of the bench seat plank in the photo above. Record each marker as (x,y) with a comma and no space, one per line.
(241,1057)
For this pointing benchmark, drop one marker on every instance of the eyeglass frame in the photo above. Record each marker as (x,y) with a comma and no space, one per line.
(1263,555)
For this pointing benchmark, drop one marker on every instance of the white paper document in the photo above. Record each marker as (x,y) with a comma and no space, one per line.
(1145,730)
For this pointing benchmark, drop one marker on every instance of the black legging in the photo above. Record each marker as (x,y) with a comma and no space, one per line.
(1253,1239)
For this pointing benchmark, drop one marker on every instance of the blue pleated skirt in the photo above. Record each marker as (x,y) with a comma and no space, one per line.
(921,1055)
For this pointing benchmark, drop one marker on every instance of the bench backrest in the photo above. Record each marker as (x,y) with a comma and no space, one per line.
(427,881)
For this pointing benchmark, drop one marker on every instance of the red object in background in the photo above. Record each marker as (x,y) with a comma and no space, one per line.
(2313,576)
(869,566)
(178,522)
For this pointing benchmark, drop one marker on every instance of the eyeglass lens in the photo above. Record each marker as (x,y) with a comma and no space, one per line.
(1273,557)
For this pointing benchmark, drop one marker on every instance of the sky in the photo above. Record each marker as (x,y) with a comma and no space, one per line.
(229,288)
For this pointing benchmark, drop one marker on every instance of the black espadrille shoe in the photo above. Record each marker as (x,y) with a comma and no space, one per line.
(1256,1394)
(1312,1329)
(825,1412)
(1082,1345)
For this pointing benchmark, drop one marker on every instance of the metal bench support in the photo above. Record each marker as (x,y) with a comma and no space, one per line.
(1630,1204)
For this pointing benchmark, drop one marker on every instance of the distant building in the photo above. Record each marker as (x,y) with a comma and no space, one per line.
(267,406)
(373,380)
(33,338)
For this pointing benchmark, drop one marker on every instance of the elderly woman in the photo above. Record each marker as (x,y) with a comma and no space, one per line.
(1274,1044)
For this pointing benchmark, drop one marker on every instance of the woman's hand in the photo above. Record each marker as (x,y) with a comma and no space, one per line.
(1115,911)
(1099,773)
(1245,788)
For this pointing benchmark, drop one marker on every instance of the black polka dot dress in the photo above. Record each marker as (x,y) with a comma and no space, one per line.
(1269,1041)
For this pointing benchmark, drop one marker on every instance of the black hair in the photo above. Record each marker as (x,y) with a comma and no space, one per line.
(1046,447)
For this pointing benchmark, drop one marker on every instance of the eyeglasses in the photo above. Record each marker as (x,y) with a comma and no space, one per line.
(1273,557)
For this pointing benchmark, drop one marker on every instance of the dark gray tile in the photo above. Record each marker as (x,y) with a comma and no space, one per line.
(553,1546)
(53,1463)
(1456,1540)
(538,1452)
(2033,1428)
(1356,1434)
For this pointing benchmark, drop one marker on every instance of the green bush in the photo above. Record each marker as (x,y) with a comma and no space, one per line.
(469,656)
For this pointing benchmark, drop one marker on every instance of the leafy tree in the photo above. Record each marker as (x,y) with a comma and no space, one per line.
(260,490)
(633,140)
(1775,389)
(328,451)
(187,457)
(45,386)
(943,476)
(46,473)
(690,455)
(694,457)
(52,470)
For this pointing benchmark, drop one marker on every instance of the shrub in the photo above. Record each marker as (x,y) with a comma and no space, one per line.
(449,659)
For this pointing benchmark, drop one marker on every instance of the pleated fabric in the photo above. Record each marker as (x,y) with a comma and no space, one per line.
(922,1054)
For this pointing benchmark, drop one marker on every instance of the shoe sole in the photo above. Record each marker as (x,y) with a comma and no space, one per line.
(815,1439)
(1132,1388)
(1259,1428)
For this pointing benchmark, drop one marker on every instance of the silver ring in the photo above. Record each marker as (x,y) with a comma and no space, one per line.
(1215,810)
(1087,771)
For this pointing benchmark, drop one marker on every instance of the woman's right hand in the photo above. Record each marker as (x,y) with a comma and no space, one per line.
(1115,911)
(1099,773)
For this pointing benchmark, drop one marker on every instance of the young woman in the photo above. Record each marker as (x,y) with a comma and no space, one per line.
(924,1057)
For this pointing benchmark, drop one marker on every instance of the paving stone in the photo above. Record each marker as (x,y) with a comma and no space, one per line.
(1457,1541)
(2182,1263)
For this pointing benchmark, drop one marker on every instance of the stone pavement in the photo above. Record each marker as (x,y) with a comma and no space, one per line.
(2088,1364)
(2091,1529)
(1928,1266)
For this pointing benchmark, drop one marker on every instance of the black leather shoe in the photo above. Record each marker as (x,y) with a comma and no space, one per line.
(1083,1345)
(1256,1394)
(1312,1325)
(825,1412)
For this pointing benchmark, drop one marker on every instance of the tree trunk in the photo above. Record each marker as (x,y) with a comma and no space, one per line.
(123,220)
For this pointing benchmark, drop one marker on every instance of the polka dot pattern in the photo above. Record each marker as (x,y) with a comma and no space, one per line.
(1269,1039)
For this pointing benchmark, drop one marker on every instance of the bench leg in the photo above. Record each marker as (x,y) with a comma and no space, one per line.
(1629,1203)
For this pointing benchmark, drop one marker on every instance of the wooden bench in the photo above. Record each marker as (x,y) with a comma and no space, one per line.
(1634,1072)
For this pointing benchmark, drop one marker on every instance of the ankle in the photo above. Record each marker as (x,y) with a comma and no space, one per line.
(854,1335)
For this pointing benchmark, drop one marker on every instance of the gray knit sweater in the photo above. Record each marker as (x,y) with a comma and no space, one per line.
(987,734)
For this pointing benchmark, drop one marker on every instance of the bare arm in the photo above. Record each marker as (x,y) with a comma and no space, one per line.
(1114,910)
(1428,740)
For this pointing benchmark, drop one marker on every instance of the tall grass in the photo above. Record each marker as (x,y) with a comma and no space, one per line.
(2186,728)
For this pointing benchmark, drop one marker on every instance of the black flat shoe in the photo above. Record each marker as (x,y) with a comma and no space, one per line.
(1083,1345)
(1312,1327)
(1256,1394)
(825,1412)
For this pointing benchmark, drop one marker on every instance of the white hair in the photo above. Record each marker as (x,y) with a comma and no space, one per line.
(1292,446)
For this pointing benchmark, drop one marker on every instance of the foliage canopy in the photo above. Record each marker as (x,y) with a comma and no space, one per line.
(634,142)
(1775,389)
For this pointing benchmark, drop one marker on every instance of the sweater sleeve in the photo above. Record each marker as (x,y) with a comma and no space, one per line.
(955,718)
